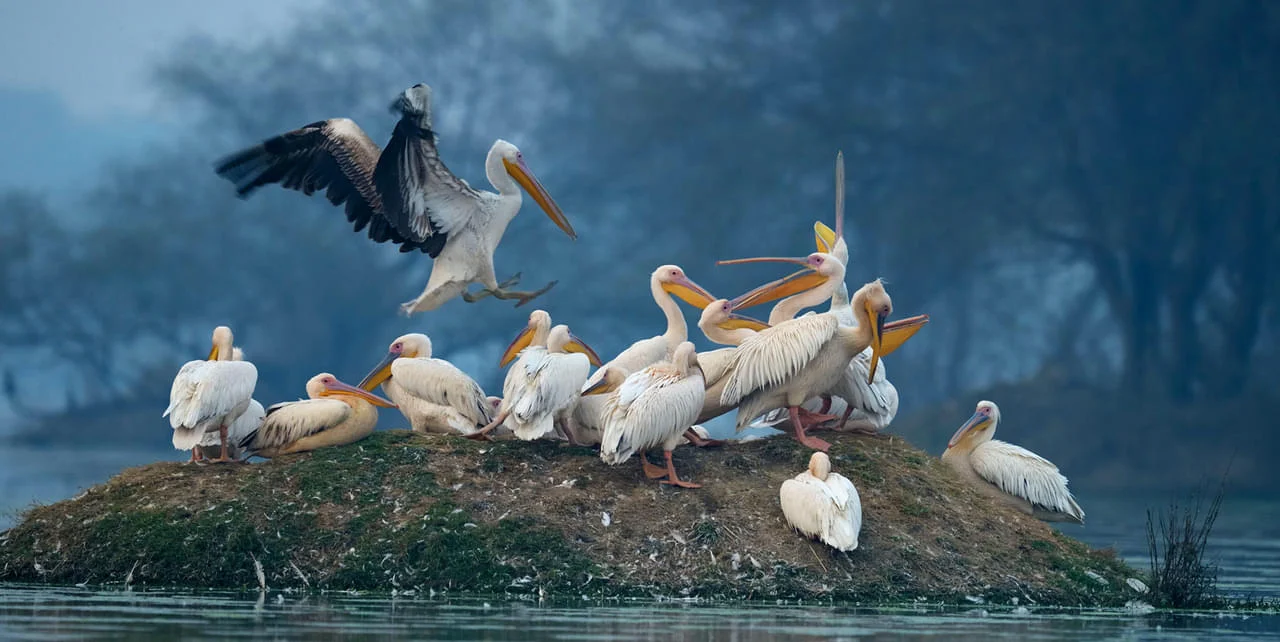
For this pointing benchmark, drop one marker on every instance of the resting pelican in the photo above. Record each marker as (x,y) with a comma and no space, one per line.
(247,422)
(405,194)
(336,414)
(542,387)
(1011,474)
(208,395)
(664,282)
(653,407)
(793,361)
(823,504)
(433,394)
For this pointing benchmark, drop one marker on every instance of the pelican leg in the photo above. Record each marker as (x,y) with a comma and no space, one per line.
(814,418)
(700,442)
(222,435)
(674,479)
(196,455)
(806,440)
(483,433)
(826,406)
(523,296)
(514,279)
(650,471)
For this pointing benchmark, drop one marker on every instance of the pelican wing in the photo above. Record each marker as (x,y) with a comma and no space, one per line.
(715,364)
(334,155)
(290,421)
(431,203)
(441,383)
(830,510)
(1022,473)
(777,354)
(876,402)
(649,408)
(207,390)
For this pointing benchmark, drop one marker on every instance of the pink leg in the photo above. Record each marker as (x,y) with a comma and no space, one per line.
(810,442)
(672,478)
(699,441)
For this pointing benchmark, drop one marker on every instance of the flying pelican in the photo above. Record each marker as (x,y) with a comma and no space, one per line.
(864,407)
(247,422)
(542,387)
(823,504)
(208,395)
(793,361)
(433,394)
(335,414)
(405,194)
(1011,474)
(654,407)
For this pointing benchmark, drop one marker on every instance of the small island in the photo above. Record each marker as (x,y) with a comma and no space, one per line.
(432,513)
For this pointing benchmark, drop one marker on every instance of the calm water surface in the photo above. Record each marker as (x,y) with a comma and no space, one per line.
(1246,545)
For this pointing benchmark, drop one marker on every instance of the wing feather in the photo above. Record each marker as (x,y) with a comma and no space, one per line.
(1022,473)
(290,421)
(441,383)
(776,354)
(651,407)
(430,202)
(207,390)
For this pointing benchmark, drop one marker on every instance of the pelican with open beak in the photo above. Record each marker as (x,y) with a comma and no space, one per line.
(335,414)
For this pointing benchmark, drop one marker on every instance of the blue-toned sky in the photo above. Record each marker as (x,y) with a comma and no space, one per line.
(75,85)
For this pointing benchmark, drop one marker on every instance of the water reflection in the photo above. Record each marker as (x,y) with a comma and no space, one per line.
(36,613)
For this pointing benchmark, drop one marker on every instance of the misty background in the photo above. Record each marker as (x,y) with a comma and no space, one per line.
(1084,197)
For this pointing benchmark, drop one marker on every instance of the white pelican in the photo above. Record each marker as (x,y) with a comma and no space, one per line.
(247,422)
(433,394)
(653,407)
(542,387)
(664,282)
(1011,474)
(788,363)
(208,395)
(721,325)
(405,194)
(823,504)
(335,414)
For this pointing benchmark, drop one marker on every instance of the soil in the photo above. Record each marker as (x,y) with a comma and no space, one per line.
(433,513)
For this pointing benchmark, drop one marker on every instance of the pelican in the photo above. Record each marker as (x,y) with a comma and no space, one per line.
(247,422)
(823,504)
(663,283)
(543,385)
(433,394)
(1011,474)
(864,407)
(720,324)
(653,407)
(208,395)
(793,361)
(335,414)
(405,194)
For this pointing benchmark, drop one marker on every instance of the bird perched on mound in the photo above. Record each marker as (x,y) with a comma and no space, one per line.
(335,414)
(209,394)
(246,423)
(823,504)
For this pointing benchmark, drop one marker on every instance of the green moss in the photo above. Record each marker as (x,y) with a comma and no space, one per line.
(706,532)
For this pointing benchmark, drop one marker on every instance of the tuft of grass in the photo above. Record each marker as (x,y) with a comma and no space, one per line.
(1180,577)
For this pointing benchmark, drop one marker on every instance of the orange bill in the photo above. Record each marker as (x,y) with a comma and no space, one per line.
(524,176)
(577,345)
(521,342)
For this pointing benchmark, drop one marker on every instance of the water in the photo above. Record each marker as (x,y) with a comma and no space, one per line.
(43,614)
(1246,545)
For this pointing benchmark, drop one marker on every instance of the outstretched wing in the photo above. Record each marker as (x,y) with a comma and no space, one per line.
(424,200)
(333,155)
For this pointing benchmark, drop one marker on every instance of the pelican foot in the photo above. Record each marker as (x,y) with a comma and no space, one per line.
(510,282)
(223,460)
(673,479)
(804,439)
(651,471)
(475,436)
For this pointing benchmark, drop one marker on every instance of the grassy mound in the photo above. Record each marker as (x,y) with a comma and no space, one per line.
(413,512)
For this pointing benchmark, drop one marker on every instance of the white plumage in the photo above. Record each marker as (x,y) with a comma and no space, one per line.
(1010,473)
(542,386)
(335,414)
(663,283)
(433,394)
(653,407)
(207,396)
(823,504)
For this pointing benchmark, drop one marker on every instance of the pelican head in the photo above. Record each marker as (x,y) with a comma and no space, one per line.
(981,427)
(819,465)
(720,314)
(414,103)
(561,340)
(538,329)
(408,346)
(872,305)
(326,385)
(821,269)
(606,379)
(495,403)
(513,163)
(222,340)
(672,280)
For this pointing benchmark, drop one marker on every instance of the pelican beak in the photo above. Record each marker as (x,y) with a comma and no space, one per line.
(380,372)
(339,388)
(824,237)
(796,283)
(213,353)
(521,342)
(738,322)
(897,332)
(877,342)
(689,292)
(577,345)
(977,421)
(600,387)
(523,175)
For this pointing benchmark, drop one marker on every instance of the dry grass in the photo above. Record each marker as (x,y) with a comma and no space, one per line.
(1176,539)
(407,511)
